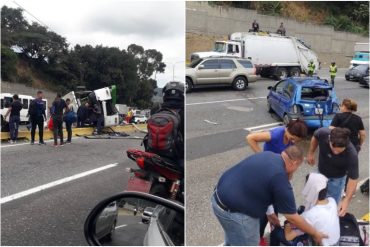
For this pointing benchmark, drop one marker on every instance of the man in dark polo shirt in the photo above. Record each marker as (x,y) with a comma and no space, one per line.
(337,158)
(244,192)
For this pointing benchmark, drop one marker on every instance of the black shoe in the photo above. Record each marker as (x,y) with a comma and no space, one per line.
(42,143)
(32,142)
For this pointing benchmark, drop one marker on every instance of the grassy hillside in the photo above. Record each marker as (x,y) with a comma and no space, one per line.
(343,16)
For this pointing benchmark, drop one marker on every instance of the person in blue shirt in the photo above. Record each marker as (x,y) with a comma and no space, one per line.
(244,192)
(37,115)
(276,140)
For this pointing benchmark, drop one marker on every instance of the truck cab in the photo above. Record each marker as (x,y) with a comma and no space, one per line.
(221,49)
(105,97)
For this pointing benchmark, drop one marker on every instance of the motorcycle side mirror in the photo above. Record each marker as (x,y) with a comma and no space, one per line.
(135,219)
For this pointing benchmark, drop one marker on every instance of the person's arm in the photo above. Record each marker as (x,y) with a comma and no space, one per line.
(362,137)
(311,152)
(7,113)
(254,138)
(350,191)
(300,223)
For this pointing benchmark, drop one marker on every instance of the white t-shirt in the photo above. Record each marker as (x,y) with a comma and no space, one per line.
(324,218)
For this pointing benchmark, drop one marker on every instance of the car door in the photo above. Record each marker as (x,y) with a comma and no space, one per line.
(207,72)
(287,97)
(275,95)
(227,67)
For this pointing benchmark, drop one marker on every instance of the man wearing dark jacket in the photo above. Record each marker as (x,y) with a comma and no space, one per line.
(37,118)
(57,114)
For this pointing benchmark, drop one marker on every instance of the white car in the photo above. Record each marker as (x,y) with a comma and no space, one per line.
(140,119)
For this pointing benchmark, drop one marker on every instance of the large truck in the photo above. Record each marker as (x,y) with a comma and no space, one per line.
(272,54)
(103,98)
(361,55)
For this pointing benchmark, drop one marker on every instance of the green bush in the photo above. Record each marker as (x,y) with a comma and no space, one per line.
(269,8)
(8,64)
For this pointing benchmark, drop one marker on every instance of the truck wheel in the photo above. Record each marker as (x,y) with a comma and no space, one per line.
(240,83)
(188,85)
(281,73)
(296,72)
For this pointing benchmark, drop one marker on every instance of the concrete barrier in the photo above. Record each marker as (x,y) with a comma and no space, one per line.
(75,132)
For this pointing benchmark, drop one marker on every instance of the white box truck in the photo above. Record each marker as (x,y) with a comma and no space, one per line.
(272,54)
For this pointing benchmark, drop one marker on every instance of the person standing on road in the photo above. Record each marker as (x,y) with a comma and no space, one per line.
(57,109)
(244,192)
(281,29)
(333,71)
(337,158)
(37,115)
(14,118)
(69,119)
(311,68)
(276,141)
(347,119)
(255,26)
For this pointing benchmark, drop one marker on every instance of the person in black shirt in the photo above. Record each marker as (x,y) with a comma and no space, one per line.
(57,114)
(37,115)
(347,119)
(337,158)
(255,26)
(14,119)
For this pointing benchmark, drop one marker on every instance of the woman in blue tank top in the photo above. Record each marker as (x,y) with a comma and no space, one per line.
(276,140)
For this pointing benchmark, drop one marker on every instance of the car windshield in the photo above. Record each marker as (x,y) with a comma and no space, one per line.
(195,63)
(362,67)
(312,93)
(220,47)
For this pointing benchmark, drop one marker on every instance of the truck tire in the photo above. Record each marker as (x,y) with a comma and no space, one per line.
(188,85)
(240,83)
(295,71)
(281,73)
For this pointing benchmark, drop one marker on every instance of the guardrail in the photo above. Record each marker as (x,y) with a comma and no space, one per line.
(48,134)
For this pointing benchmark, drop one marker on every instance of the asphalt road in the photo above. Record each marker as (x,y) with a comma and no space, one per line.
(216,120)
(55,215)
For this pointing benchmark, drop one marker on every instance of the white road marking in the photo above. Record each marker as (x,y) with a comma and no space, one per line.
(360,183)
(53,184)
(222,101)
(263,126)
(28,143)
(207,121)
(120,226)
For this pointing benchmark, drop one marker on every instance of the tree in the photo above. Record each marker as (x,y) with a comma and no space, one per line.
(12,22)
(8,64)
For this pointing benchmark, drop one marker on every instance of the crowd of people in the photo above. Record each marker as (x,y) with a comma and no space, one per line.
(253,192)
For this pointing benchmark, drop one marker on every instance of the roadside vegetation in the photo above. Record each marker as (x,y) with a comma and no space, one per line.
(36,56)
(345,16)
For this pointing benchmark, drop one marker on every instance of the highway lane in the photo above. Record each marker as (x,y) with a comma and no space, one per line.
(214,146)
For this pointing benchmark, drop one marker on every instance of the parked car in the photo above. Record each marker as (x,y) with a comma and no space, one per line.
(140,119)
(146,215)
(364,80)
(355,73)
(106,223)
(220,71)
(308,98)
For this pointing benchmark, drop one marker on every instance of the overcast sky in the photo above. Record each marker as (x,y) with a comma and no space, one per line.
(156,25)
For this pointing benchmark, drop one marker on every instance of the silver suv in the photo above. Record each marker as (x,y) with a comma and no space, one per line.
(220,71)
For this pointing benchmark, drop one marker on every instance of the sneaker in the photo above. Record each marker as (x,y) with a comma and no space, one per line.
(68,142)
(32,142)
(11,141)
(262,242)
(62,144)
(55,145)
(42,143)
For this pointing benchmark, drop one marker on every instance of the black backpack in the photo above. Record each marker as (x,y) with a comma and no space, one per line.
(349,231)
(164,137)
